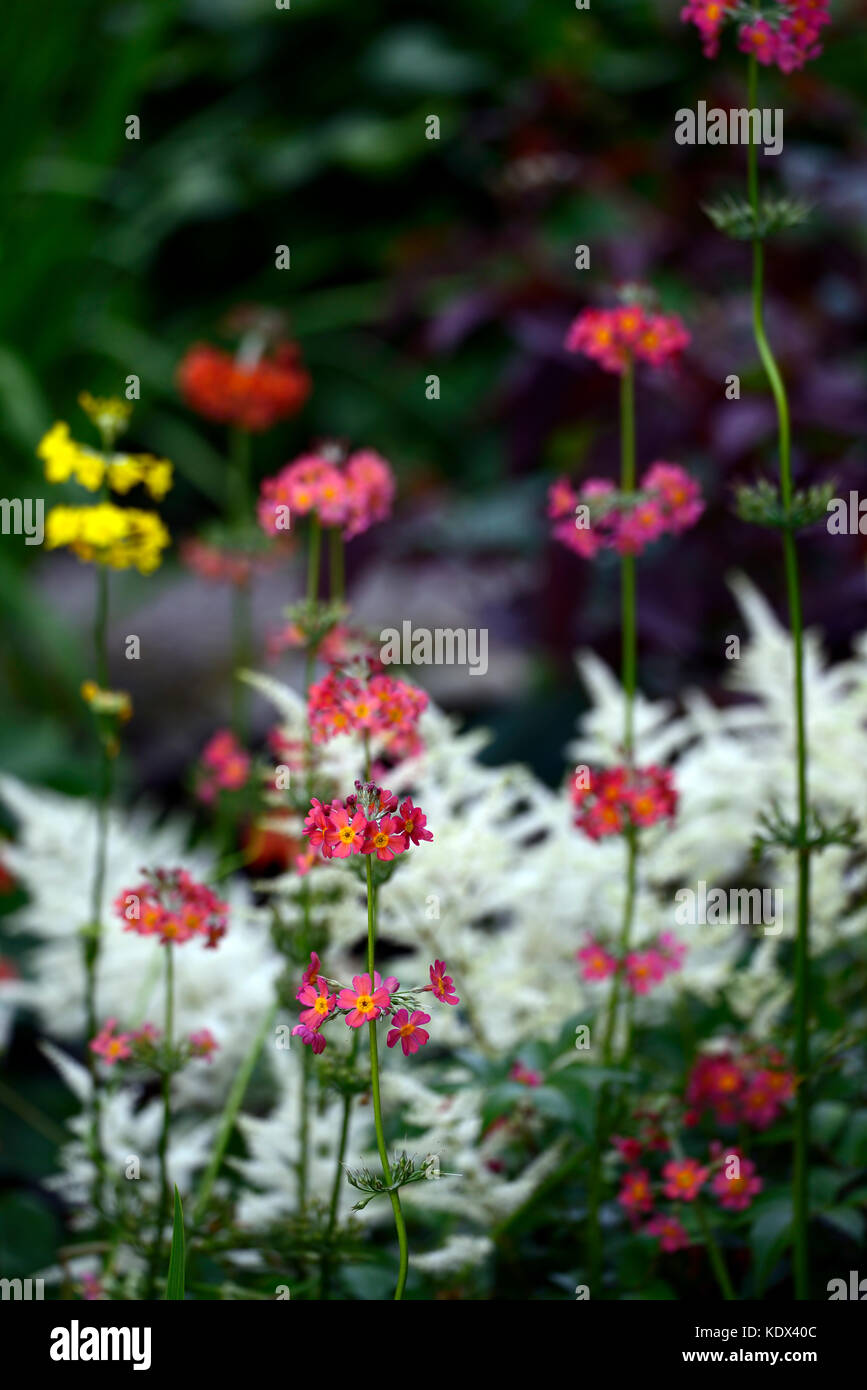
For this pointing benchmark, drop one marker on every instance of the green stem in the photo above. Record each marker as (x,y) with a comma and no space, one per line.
(240,507)
(800,1195)
(336,565)
(230,1114)
(313,563)
(629,667)
(628,601)
(163,1150)
(715,1254)
(338,1177)
(377,1100)
(92,939)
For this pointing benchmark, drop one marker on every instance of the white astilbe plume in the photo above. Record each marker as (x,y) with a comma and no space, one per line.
(227,989)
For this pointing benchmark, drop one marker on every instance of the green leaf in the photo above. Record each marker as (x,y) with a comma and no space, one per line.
(848,1222)
(177,1258)
(827,1119)
(853,1150)
(770,1234)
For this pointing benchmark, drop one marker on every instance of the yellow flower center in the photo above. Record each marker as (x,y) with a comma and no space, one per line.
(364,1004)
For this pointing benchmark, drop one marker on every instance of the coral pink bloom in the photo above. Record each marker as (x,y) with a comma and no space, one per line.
(671,1234)
(414,822)
(442,984)
(319,1004)
(736,1194)
(109,1046)
(370,489)
(635,1194)
(365,1001)
(408,1032)
(596,963)
(346,835)
(644,969)
(684,1178)
(310,1037)
(203,1043)
(385,839)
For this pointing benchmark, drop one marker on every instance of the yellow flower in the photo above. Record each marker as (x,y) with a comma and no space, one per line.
(58,453)
(114,702)
(109,413)
(121,538)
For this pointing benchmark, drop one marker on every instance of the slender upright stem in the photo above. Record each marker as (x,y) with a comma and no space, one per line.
(800,1194)
(377,1100)
(92,939)
(715,1254)
(628,603)
(327,1257)
(163,1150)
(629,666)
(240,506)
(313,564)
(336,565)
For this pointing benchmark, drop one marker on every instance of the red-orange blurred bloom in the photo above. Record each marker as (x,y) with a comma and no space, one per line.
(254,396)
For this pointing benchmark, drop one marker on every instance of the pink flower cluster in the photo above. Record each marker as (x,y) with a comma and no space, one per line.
(641,969)
(366,1001)
(621,796)
(370,704)
(218,564)
(370,822)
(223,766)
(788,37)
(140,1044)
(171,905)
(669,501)
(350,494)
(340,645)
(739,1089)
(733,1183)
(629,333)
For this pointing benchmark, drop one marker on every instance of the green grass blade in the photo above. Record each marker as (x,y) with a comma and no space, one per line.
(177,1258)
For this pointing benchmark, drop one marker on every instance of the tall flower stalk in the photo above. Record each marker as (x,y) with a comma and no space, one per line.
(800,1194)
(625,519)
(394,1195)
(787,36)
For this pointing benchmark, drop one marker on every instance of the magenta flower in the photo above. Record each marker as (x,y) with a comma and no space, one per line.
(596,963)
(635,1194)
(672,1235)
(318,1001)
(407,1031)
(310,1037)
(736,1194)
(442,984)
(414,821)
